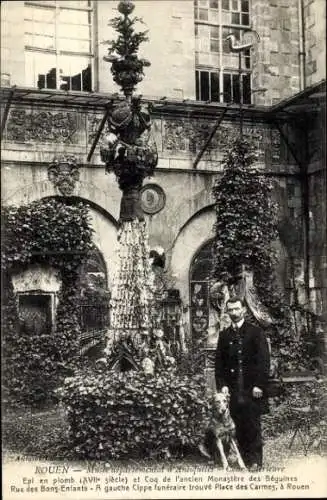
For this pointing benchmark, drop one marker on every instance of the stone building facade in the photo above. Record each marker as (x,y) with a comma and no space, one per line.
(46,112)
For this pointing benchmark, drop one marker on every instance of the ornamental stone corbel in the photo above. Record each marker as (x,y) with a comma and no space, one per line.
(64,172)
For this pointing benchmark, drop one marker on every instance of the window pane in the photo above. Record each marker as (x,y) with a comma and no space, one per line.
(214,46)
(227,88)
(204,85)
(71,45)
(73,16)
(226,43)
(39,14)
(214,87)
(247,62)
(74,31)
(213,4)
(81,4)
(42,3)
(235,18)
(214,32)
(43,42)
(247,89)
(73,72)
(235,5)
(236,88)
(245,19)
(225,4)
(226,17)
(213,16)
(40,70)
(197,86)
(245,5)
(43,29)
(87,78)
(203,15)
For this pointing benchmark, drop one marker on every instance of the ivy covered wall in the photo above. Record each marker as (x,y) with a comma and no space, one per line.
(51,233)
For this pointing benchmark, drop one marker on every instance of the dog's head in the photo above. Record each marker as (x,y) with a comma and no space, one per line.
(221,402)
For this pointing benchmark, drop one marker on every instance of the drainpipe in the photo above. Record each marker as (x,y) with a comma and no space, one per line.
(221,68)
(301,44)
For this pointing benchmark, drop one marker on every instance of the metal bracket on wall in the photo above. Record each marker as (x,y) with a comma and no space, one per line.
(212,133)
(6,111)
(99,132)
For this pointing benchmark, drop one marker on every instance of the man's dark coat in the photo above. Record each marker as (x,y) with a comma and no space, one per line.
(242,360)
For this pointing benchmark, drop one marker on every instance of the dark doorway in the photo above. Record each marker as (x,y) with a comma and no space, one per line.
(35,313)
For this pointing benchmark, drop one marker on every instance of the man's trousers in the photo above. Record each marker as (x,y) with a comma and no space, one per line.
(247,418)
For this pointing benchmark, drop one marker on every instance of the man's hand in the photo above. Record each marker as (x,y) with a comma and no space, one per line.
(256,392)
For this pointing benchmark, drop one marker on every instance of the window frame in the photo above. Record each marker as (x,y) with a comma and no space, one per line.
(61,51)
(232,75)
(223,65)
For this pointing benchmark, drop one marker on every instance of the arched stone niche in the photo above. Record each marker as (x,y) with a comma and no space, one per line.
(37,290)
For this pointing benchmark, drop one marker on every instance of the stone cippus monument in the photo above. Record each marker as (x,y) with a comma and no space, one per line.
(128,152)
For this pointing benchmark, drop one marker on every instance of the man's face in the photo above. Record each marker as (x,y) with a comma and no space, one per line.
(236,311)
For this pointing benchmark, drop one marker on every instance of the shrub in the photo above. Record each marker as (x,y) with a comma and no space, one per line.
(115,415)
(286,412)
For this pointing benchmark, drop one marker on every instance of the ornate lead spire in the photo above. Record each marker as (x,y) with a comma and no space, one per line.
(127,67)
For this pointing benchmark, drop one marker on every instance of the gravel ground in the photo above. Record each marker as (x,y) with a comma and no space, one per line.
(44,434)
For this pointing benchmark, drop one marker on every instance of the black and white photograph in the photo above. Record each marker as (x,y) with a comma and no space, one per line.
(163,249)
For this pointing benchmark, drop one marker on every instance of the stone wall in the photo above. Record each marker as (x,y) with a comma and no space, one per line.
(275,61)
(314,40)
(12,43)
(185,221)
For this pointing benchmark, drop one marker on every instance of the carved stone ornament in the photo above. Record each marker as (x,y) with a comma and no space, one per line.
(41,126)
(64,172)
(188,136)
(153,199)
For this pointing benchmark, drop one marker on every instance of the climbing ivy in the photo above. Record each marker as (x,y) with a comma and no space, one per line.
(245,229)
(57,234)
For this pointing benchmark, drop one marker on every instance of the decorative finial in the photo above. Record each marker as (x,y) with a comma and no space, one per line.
(126,67)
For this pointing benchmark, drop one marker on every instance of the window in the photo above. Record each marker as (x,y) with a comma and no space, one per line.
(214,39)
(213,51)
(232,88)
(199,276)
(201,10)
(232,60)
(207,86)
(58,45)
(206,10)
(236,12)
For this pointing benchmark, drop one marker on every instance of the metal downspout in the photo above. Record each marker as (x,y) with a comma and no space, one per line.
(302,53)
